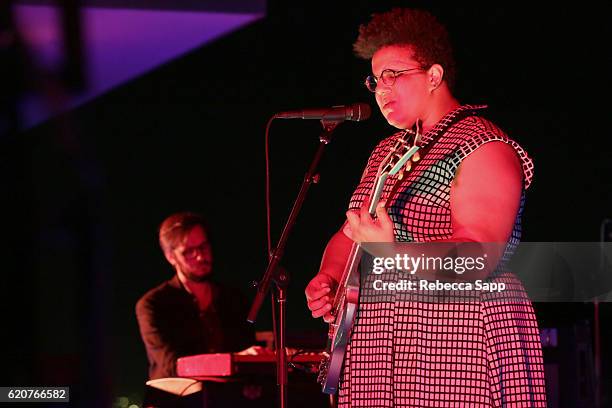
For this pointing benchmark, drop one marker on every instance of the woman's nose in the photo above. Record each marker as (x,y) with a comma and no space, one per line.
(381,89)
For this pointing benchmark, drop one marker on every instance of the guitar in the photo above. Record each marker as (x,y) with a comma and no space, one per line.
(344,306)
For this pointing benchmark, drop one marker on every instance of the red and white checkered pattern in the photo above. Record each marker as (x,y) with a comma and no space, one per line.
(475,351)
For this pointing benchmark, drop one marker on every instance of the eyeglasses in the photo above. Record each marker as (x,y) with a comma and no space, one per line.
(387,76)
(193,252)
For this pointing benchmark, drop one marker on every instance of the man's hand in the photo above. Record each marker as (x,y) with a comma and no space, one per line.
(320,295)
(255,351)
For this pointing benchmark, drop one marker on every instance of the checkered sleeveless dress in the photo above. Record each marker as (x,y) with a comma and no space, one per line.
(403,352)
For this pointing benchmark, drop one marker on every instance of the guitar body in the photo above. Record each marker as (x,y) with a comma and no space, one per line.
(336,358)
(340,330)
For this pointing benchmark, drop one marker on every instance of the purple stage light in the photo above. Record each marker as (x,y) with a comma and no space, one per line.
(119,45)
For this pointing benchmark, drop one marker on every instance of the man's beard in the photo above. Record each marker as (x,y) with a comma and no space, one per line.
(200,275)
(197,278)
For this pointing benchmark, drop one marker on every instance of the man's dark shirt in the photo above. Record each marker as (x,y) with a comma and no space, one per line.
(172,326)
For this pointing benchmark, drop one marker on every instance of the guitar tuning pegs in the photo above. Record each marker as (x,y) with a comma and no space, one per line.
(408,165)
(416,157)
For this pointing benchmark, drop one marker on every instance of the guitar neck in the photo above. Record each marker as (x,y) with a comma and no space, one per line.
(376,194)
(392,164)
(352,263)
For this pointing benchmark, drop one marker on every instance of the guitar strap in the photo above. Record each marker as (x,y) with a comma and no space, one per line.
(441,127)
(433,135)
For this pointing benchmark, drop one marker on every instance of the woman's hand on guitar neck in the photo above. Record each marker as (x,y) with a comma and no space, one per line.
(361,227)
(320,295)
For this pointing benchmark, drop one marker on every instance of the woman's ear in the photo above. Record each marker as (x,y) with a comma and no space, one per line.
(435,76)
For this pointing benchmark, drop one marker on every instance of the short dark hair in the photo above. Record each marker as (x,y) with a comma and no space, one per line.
(417,29)
(176,227)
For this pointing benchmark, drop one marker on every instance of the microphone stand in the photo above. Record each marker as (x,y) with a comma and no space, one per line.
(278,275)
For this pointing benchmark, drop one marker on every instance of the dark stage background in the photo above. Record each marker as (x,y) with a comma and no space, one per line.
(85,192)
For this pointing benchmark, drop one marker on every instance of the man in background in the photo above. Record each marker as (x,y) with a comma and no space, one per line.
(190,313)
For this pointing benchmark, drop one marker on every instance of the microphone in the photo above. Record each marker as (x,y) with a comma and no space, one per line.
(356,112)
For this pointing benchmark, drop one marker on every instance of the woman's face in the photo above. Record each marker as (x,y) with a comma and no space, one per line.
(403,102)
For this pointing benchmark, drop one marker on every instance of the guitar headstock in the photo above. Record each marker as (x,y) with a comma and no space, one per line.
(403,152)
(402,155)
